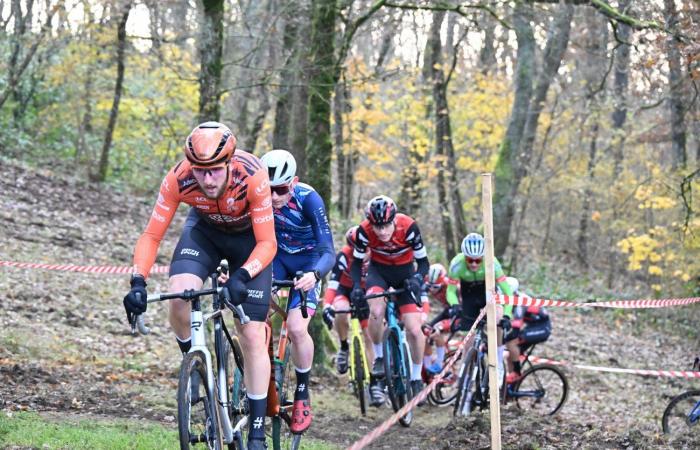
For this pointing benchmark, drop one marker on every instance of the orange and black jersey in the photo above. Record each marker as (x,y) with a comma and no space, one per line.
(244,203)
(340,275)
(405,244)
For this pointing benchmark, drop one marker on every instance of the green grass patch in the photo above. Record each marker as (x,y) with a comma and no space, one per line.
(31,430)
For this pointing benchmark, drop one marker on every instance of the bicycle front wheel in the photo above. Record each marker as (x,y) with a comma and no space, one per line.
(396,375)
(238,409)
(682,415)
(465,392)
(359,374)
(446,390)
(542,390)
(197,412)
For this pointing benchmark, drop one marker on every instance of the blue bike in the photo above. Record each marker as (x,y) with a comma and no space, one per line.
(683,413)
(397,357)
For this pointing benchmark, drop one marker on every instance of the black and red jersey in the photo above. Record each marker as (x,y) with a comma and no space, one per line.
(405,245)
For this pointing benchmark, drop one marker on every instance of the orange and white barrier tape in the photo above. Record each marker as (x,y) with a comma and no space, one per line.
(644,372)
(85,269)
(381,429)
(629,304)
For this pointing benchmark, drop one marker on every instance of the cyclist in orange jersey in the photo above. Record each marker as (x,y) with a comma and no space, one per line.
(231,217)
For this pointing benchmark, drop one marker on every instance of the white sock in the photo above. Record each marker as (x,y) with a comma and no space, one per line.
(378,350)
(440,355)
(415,371)
(426,360)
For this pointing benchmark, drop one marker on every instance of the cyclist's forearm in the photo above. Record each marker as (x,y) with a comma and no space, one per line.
(423,266)
(451,295)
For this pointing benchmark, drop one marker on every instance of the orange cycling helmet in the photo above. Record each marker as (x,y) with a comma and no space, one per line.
(210,144)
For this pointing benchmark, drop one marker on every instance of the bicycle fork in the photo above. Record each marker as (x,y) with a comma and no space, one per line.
(356,332)
(199,345)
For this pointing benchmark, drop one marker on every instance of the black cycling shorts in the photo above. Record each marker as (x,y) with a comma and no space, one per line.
(473,300)
(386,276)
(202,247)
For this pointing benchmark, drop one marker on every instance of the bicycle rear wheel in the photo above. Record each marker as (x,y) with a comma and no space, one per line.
(466,386)
(359,380)
(396,376)
(197,411)
(682,415)
(542,389)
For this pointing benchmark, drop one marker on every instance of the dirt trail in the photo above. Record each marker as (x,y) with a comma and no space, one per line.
(65,346)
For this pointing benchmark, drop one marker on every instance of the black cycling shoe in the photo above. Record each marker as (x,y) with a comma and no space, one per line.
(378,367)
(256,444)
(416,387)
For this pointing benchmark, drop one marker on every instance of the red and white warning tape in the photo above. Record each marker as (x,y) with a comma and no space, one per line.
(381,429)
(645,372)
(647,303)
(86,269)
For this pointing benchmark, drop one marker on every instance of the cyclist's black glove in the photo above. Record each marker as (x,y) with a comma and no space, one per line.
(328,316)
(135,302)
(505,324)
(454,311)
(357,295)
(236,285)
(413,285)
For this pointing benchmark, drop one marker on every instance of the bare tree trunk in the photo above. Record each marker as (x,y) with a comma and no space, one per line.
(679,156)
(121,50)
(321,82)
(210,47)
(619,117)
(593,70)
(557,41)
(433,59)
(283,106)
(506,184)
(487,56)
(347,169)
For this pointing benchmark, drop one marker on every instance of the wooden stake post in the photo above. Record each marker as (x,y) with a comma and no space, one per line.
(494,404)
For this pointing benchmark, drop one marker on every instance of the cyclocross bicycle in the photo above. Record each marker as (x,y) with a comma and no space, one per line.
(358,365)
(205,411)
(683,413)
(280,394)
(543,388)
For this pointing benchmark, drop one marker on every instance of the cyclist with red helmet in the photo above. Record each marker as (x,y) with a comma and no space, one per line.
(231,217)
(436,283)
(337,297)
(395,242)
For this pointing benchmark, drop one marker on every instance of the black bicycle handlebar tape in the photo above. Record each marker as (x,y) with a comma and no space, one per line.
(283,283)
(302,294)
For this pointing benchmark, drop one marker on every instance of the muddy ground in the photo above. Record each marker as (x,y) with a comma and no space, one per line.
(65,346)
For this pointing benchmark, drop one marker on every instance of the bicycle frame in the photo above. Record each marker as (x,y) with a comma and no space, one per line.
(392,322)
(356,333)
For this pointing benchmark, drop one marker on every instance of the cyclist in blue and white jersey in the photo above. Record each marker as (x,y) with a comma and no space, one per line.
(304,243)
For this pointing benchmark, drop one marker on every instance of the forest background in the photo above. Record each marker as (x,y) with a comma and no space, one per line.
(586,111)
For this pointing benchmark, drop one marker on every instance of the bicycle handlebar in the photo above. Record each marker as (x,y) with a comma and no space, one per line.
(385,293)
(290,284)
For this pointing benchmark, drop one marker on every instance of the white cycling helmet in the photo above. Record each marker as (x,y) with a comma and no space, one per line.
(281,166)
(473,245)
(437,274)
(514,284)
